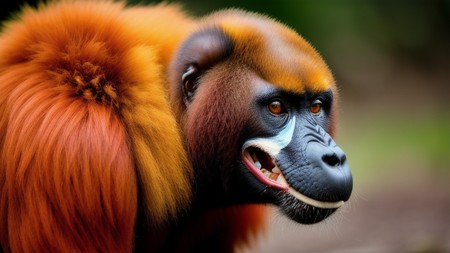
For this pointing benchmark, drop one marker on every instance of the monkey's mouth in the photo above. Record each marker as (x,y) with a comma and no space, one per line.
(264,168)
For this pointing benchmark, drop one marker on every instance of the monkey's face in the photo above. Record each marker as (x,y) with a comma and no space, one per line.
(258,106)
(292,159)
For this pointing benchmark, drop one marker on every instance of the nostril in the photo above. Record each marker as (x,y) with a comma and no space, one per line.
(332,160)
(343,159)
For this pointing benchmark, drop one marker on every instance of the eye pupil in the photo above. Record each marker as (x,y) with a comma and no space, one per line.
(275,107)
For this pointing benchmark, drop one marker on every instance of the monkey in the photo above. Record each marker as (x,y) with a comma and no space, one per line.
(143,129)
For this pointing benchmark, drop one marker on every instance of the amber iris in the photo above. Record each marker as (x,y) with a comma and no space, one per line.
(316,107)
(276,107)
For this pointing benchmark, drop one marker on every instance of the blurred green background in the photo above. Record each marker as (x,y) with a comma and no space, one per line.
(391,60)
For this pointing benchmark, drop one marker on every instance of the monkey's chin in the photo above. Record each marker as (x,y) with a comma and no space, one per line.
(299,211)
(294,204)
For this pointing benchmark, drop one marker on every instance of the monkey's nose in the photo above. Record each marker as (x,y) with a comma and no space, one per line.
(335,167)
(330,171)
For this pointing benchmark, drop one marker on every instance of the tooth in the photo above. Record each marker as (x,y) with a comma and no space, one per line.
(266,172)
(257,164)
(273,176)
(276,170)
(281,180)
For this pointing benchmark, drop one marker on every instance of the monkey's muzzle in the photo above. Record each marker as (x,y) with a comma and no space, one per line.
(264,168)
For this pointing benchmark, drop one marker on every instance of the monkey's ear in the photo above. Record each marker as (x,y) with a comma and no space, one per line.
(200,52)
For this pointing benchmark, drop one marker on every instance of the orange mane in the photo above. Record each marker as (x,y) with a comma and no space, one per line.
(81,120)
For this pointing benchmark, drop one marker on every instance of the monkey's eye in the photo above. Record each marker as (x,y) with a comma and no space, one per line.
(189,81)
(316,107)
(276,107)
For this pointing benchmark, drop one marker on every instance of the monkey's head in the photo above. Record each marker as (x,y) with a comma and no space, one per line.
(258,108)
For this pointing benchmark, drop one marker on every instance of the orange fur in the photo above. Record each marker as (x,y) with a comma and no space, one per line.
(81,119)
(276,45)
(88,134)
(278,54)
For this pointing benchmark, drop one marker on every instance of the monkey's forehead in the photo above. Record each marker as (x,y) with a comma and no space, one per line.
(276,52)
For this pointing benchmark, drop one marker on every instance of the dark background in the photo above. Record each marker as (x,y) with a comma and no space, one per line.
(391,60)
